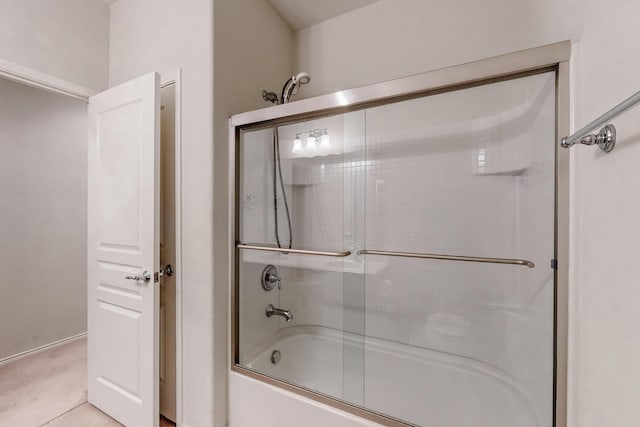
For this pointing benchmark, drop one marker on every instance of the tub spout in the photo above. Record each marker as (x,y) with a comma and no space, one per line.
(271,310)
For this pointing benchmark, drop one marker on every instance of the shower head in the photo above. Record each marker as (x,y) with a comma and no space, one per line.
(293,84)
(302,78)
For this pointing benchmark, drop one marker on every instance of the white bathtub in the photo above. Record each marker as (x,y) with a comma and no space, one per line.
(419,386)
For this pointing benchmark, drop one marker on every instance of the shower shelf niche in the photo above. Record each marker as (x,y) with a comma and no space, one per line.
(310,262)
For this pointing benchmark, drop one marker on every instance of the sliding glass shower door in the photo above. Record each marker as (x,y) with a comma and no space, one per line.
(399,257)
(301,285)
(468,173)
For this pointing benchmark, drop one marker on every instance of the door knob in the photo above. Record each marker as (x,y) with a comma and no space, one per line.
(166,271)
(145,277)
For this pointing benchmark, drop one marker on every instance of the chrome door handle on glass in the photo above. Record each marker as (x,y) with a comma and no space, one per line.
(144,277)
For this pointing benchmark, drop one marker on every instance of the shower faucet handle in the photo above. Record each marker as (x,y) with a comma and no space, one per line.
(270,278)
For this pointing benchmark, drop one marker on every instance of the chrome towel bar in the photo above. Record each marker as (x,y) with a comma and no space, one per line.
(606,138)
(522,262)
(260,247)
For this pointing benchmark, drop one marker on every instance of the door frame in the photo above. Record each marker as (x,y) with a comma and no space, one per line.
(30,77)
(167,78)
(553,57)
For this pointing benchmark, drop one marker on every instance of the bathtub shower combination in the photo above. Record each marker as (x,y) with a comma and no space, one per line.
(399,256)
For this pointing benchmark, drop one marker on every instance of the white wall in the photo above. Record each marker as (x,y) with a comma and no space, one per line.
(390,39)
(43,168)
(68,39)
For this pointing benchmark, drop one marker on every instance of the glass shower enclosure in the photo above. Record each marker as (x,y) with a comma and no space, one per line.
(399,257)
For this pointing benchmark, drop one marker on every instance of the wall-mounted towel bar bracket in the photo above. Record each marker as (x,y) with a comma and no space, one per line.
(605,139)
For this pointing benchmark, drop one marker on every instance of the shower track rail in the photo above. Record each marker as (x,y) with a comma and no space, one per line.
(511,261)
(259,247)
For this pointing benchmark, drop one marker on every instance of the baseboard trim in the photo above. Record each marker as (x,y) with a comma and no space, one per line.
(41,348)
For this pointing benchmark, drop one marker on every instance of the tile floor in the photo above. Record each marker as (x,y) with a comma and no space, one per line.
(49,388)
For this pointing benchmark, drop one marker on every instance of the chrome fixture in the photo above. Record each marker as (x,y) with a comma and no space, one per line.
(259,247)
(274,311)
(606,138)
(271,97)
(270,278)
(523,262)
(275,357)
(277,171)
(291,87)
(316,138)
(146,276)
(166,271)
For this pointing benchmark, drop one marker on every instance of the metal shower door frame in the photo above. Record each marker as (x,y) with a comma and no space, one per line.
(550,58)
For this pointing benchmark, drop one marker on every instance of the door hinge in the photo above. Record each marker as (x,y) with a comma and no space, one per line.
(166,271)
(554,264)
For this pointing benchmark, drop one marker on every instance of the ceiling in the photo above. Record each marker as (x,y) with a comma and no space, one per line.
(303,13)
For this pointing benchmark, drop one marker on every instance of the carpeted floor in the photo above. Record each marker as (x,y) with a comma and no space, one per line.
(49,388)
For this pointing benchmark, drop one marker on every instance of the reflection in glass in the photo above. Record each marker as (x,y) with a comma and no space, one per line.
(427,341)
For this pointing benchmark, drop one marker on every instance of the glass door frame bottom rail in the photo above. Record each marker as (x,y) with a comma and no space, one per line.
(550,58)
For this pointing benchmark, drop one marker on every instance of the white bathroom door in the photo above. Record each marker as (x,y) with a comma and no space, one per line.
(123,251)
